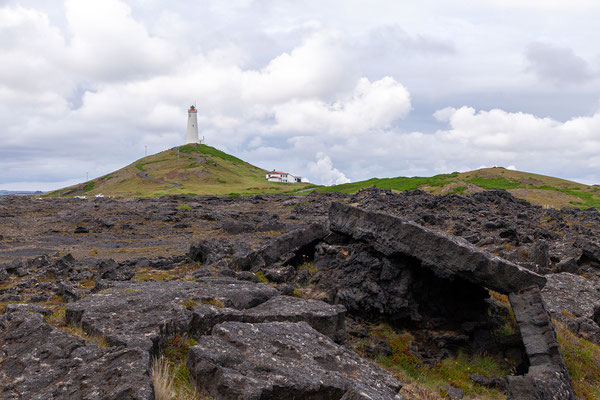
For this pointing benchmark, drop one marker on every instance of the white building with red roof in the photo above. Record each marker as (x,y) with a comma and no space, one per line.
(280,176)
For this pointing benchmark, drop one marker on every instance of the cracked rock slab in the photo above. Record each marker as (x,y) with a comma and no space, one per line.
(39,361)
(139,314)
(445,255)
(283,360)
(575,301)
(325,318)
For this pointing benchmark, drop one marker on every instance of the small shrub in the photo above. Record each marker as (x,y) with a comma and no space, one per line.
(261,277)
(184,207)
(312,269)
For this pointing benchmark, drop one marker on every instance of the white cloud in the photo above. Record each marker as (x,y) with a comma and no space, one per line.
(324,171)
(371,105)
(108,44)
(86,85)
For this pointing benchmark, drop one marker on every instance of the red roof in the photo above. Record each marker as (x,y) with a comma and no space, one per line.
(192,108)
(277,172)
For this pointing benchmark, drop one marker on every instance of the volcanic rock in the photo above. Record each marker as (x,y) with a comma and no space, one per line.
(286,361)
(447,256)
(575,301)
(42,362)
(547,377)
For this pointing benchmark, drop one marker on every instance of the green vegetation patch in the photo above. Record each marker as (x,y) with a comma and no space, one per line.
(175,351)
(408,366)
(582,358)
(400,183)
(89,186)
(261,277)
(459,190)
(208,150)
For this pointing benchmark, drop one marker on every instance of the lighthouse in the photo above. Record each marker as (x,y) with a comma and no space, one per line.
(192,127)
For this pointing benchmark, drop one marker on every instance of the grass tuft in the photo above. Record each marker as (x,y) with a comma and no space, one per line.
(162,379)
(582,359)
(175,351)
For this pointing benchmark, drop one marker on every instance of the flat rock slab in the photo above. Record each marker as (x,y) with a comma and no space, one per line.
(283,360)
(139,314)
(325,318)
(38,361)
(447,256)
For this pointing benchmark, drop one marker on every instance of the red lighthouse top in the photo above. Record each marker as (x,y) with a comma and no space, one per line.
(192,109)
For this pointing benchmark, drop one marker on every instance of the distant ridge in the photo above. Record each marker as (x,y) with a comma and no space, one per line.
(537,189)
(193,169)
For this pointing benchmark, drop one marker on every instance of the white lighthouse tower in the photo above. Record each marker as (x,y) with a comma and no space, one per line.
(192,127)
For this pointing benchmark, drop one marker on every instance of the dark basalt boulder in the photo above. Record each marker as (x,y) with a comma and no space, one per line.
(42,362)
(286,361)
(547,377)
(281,248)
(110,269)
(325,318)
(447,256)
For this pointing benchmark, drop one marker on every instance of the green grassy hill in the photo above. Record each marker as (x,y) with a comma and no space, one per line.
(537,189)
(218,174)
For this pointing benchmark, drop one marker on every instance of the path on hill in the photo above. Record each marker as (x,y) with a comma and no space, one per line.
(144,175)
(305,190)
(196,156)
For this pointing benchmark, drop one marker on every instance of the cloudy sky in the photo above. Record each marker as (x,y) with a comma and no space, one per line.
(330,90)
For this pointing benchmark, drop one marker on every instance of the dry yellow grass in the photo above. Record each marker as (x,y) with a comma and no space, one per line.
(162,379)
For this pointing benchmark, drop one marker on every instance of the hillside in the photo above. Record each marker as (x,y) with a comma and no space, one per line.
(196,170)
(537,189)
